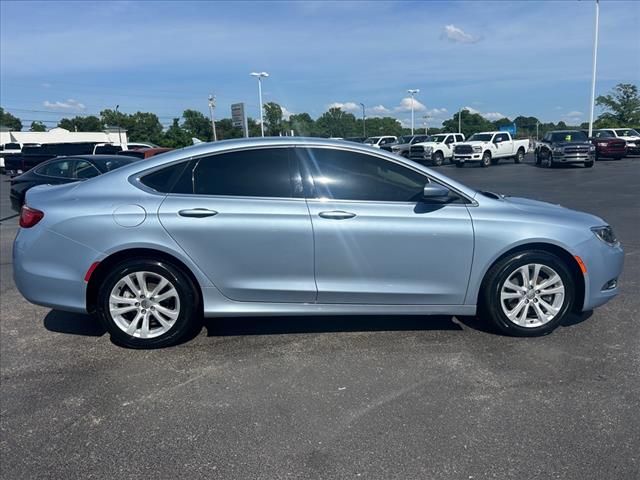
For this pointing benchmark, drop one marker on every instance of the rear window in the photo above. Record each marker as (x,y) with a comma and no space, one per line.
(11,146)
(107,149)
(175,178)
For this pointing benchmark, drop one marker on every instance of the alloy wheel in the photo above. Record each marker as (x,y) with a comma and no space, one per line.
(144,304)
(532,295)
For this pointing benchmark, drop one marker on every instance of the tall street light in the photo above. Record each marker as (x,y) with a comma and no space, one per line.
(119,131)
(260,76)
(364,128)
(212,105)
(593,74)
(426,124)
(412,92)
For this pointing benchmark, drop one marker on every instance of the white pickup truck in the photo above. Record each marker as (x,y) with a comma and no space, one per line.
(488,148)
(436,149)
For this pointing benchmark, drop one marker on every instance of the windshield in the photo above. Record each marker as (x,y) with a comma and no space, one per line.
(603,134)
(405,139)
(572,136)
(627,132)
(437,138)
(420,138)
(372,140)
(481,137)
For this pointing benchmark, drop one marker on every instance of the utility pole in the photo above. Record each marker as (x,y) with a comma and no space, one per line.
(538,128)
(119,131)
(212,105)
(593,74)
(364,128)
(426,124)
(260,76)
(460,120)
(412,92)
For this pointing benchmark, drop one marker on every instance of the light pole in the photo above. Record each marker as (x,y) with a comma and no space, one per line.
(212,105)
(260,76)
(364,128)
(593,75)
(460,120)
(412,92)
(119,131)
(426,124)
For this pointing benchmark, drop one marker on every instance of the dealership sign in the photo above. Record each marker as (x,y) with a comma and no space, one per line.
(238,118)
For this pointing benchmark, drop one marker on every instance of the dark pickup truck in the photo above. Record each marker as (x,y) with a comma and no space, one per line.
(608,145)
(563,147)
(30,156)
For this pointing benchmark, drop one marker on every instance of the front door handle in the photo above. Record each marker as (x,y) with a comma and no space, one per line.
(197,213)
(337,215)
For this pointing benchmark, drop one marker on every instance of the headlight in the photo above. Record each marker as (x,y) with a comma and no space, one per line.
(602,144)
(477,149)
(428,149)
(605,234)
(593,147)
(557,149)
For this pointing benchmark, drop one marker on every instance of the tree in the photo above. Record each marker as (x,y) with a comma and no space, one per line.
(380,126)
(272,118)
(226,130)
(175,136)
(622,106)
(140,126)
(336,123)
(302,124)
(90,123)
(471,123)
(9,121)
(37,126)
(198,125)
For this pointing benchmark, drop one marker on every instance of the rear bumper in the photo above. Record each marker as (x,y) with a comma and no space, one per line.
(42,278)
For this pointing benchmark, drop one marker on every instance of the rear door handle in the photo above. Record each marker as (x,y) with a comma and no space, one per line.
(337,215)
(197,213)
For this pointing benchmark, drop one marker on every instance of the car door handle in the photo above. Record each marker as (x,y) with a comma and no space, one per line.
(337,215)
(197,213)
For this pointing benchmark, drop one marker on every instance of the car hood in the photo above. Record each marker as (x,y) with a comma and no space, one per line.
(546,209)
(572,144)
(473,142)
(630,139)
(427,144)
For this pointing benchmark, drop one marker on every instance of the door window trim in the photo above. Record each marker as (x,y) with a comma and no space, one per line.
(310,190)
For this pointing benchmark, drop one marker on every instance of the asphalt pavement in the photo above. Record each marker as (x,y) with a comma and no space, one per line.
(385,397)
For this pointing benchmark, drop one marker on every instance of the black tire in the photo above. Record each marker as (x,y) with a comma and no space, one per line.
(537,159)
(486,159)
(519,158)
(495,161)
(490,305)
(188,294)
(437,159)
(459,164)
(589,164)
(547,160)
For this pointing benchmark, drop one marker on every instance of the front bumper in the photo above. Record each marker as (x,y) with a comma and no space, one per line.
(604,264)
(573,157)
(469,157)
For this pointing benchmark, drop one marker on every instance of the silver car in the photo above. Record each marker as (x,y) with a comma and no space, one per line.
(295,226)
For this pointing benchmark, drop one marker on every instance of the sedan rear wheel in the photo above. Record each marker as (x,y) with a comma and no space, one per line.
(528,293)
(147,304)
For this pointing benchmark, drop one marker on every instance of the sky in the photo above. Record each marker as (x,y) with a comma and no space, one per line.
(498,58)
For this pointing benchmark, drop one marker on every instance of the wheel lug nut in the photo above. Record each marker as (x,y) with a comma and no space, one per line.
(537,292)
(137,304)
(526,301)
(535,300)
(153,308)
(144,311)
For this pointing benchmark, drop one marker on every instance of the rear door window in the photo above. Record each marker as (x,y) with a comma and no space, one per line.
(58,169)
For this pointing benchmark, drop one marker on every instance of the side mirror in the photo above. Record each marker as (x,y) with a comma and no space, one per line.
(433,190)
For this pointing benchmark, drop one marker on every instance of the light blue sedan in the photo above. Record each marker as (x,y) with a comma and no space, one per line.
(303,226)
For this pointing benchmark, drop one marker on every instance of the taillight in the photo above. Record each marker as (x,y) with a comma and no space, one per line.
(30,216)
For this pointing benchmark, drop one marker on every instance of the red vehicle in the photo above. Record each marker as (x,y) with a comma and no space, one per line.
(608,145)
(145,152)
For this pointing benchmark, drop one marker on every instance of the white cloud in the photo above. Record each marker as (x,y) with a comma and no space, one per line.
(379,110)
(346,106)
(405,105)
(70,105)
(457,35)
(488,115)
(574,114)
(437,112)
(286,113)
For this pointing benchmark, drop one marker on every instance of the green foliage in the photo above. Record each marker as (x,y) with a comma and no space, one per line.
(140,126)
(302,124)
(273,123)
(380,126)
(37,127)
(225,129)
(622,107)
(82,124)
(175,136)
(471,123)
(9,121)
(197,125)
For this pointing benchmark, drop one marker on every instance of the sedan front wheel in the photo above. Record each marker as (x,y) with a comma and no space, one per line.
(528,293)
